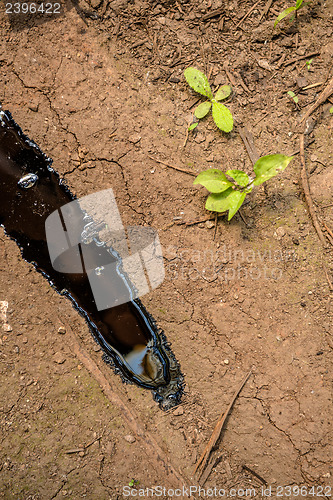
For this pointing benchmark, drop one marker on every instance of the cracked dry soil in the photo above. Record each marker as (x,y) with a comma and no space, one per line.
(100,89)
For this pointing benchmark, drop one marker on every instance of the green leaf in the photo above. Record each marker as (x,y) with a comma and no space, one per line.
(284,14)
(228,200)
(214,180)
(222,117)
(192,126)
(198,82)
(293,96)
(239,176)
(222,93)
(298,4)
(331,110)
(219,202)
(236,199)
(203,108)
(269,166)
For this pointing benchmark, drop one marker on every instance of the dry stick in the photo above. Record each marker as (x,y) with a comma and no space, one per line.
(300,58)
(153,450)
(255,474)
(247,138)
(328,278)
(192,223)
(330,234)
(172,166)
(306,189)
(266,9)
(328,90)
(200,467)
(247,14)
(313,85)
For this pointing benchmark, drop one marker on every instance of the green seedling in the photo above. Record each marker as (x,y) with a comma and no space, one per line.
(229,195)
(293,96)
(198,81)
(289,10)
(308,64)
(331,110)
(133,483)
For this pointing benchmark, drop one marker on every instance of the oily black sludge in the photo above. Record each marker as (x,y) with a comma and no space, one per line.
(31,190)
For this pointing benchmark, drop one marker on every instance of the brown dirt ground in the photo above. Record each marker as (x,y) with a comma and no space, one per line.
(100,89)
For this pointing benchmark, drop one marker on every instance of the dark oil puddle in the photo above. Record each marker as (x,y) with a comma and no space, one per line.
(30,190)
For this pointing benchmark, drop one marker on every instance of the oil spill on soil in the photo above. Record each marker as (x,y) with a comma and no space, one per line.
(31,190)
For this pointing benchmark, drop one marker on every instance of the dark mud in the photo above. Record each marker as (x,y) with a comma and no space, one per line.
(31,190)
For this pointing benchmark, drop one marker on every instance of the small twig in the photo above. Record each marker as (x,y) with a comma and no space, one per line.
(328,90)
(300,58)
(192,223)
(172,166)
(247,138)
(200,467)
(186,136)
(212,14)
(215,229)
(330,233)
(294,153)
(266,9)
(247,14)
(242,217)
(313,85)
(261,479)
(306,189)
(328,278)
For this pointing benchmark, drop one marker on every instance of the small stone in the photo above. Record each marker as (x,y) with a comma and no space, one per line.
(135,138)
(209,224)
(178,411)
(130,439)
(279,233)
(25,340)
(174,79)
(7,328)
(81,453)
(313,158)
(59,358)
(301,82)
(62,330)
(226,361)
(33,106)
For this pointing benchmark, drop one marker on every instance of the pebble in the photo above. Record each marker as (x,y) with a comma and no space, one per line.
(209,224)
(130,439)
(279,233)
(135,138)
(178,411)
(226,361)
(62,330)
(59,358)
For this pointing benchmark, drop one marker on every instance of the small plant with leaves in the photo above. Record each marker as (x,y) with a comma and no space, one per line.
(229,195)
(133,483)
(222,116)
(289,10)
(294,97)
